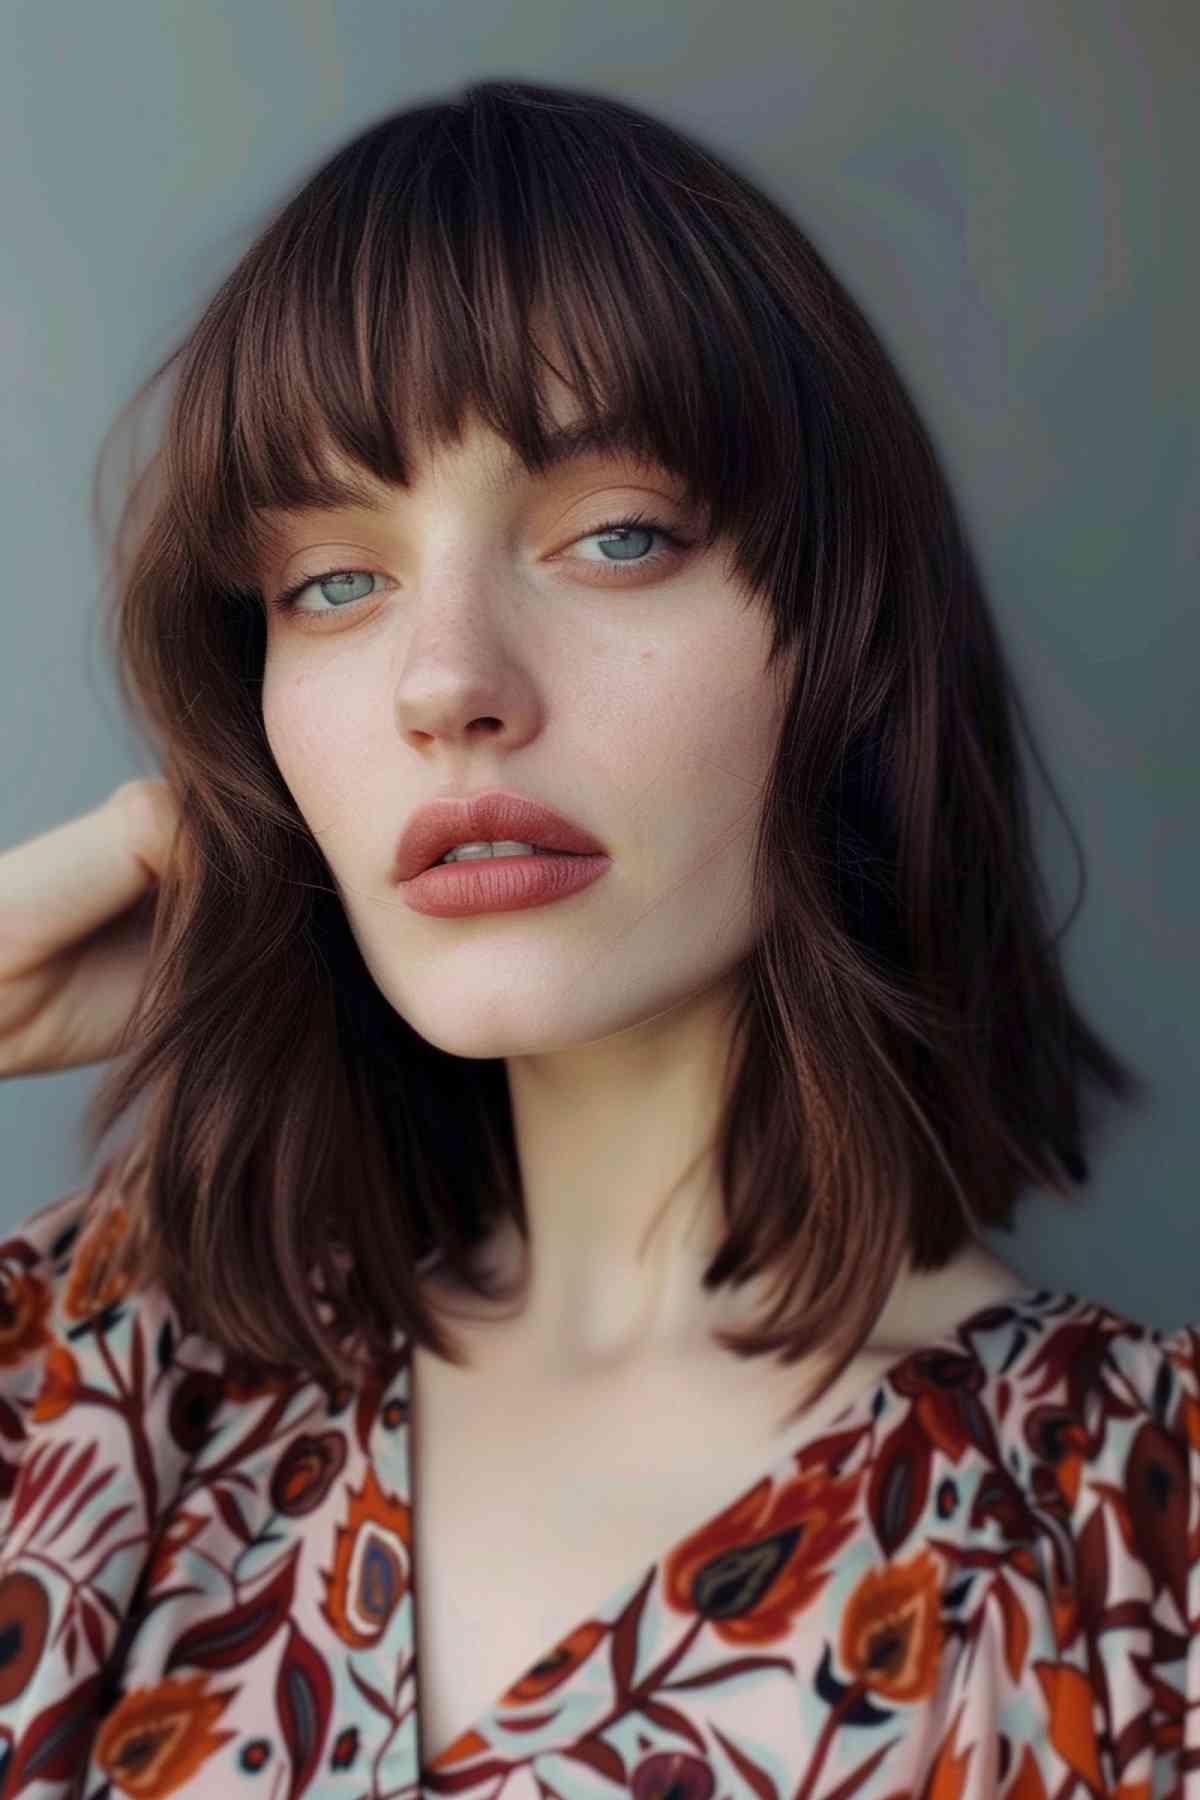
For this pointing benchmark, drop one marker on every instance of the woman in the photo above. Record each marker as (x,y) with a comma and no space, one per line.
(537,1338)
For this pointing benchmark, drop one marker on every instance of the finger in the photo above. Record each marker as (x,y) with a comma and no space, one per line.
(60,886)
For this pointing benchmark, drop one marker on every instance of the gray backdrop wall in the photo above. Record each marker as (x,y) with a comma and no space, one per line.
(1010,191)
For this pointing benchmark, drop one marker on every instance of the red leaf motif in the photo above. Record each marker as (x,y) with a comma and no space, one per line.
(238,1634)
(303,1699)
(858,1777)
(370,1694)
(1092,1581)
(623,1654)
(667,1719)
(75,1473)
(106,1524)
(232,1514)
(899,1484)
(33,1481)
(727,1671)
(93,1629)
(756,1779)
(81,1499)
(601,1758)
(56,1743)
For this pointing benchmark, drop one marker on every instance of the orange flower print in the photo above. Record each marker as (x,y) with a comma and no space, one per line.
(306,1472)
(944,1386)
(1070,1697)
(181,1529)
(84,1295)
(541,1678)
(155,1738)
(371,1565)
(753,1568)
(947,1778)
(467,1744)
(891,1629)
(24,1303)
(1027,1783)
(1059,1439)
(60,1382)
(24,1626)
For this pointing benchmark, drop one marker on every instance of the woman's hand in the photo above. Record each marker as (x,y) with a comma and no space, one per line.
(77,911)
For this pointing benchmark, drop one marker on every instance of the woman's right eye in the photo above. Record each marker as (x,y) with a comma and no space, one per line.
(339,579)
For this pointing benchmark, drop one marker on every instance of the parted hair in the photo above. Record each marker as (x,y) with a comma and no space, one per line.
(906,1061)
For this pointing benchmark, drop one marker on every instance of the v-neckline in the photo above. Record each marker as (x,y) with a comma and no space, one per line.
(861,1403)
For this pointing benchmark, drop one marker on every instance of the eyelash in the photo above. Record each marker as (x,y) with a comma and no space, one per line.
(286,602)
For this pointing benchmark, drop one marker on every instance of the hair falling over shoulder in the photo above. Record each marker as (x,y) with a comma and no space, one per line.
(907,1060)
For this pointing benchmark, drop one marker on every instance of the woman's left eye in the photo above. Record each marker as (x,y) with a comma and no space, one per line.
(633,528)
(639,526)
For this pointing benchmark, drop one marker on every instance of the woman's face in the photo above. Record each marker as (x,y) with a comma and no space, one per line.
(497,638)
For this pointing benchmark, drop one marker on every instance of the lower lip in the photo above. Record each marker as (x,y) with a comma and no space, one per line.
(499,883)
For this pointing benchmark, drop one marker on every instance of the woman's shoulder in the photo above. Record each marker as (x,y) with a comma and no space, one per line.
(1064,1365)
(1037,1354)
(1082,1431)
(1032,1478)
(1073,1397)
(1087,1428)
(1051,1436)
(1041,1377)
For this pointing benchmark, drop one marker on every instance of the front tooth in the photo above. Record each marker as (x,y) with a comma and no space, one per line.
(470,852)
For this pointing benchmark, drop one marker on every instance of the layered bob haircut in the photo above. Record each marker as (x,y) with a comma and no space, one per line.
(906,1060)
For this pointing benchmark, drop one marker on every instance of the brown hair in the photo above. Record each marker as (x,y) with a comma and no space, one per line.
(906,1057)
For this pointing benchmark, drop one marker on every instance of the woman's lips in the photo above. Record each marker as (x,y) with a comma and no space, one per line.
(495,817)
(500,883)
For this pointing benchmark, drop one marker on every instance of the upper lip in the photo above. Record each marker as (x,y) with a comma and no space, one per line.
(495,817)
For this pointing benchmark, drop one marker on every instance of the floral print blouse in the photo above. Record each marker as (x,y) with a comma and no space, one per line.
(981,1579)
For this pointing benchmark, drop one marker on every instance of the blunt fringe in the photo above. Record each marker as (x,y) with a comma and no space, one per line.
(906,1060)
